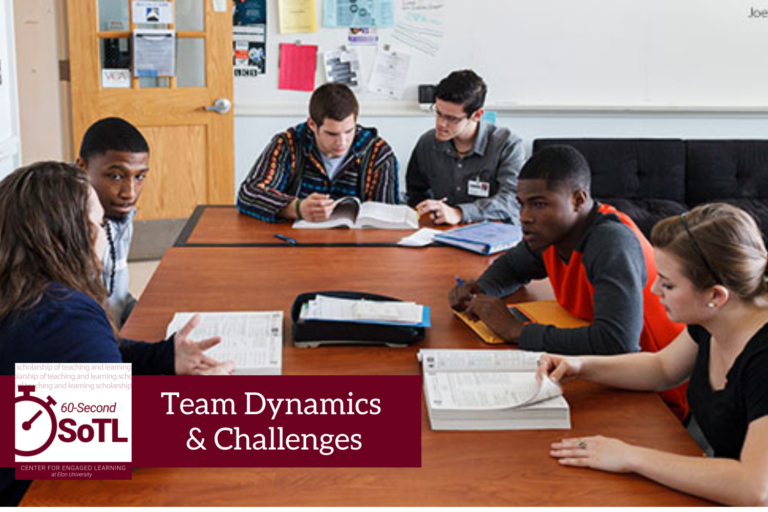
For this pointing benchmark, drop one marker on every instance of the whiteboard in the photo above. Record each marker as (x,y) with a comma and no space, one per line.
(568,53)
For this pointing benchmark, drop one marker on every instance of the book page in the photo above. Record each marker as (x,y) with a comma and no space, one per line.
(400,214)
(421,238)
(486,390)
(456,360)
(346,208)
(345,212)
(253,340)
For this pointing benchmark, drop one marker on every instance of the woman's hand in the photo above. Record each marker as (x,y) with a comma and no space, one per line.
(189,356)
(559,369)
(598,452)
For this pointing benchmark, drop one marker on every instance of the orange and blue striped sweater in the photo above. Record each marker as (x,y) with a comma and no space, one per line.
(369,171)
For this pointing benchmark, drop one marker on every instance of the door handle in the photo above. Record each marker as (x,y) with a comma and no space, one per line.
(221,105)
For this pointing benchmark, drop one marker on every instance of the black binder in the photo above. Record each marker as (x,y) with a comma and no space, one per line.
(313,333)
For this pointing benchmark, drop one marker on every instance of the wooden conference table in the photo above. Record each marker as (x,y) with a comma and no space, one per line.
(225,226)
(509,468)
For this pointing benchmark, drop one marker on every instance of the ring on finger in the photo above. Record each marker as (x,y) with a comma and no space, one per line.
(582,444)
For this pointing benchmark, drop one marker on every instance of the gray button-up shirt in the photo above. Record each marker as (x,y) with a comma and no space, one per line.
(435,171)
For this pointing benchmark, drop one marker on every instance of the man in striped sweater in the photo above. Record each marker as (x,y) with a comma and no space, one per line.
(305,168)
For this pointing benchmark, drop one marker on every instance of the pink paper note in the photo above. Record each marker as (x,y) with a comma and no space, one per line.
(297,67)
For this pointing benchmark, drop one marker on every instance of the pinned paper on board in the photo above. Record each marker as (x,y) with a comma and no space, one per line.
(296,16)
(390,70)
(358,13)
(420,25)
(343,66)
(363,36)
(250,50)
(249,12)
(154,53)
(297,67)
(249,38)
(152,12)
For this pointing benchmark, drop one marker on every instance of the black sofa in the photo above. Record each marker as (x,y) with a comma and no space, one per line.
(650,179)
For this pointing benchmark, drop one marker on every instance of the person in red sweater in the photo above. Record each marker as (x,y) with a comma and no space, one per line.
(599,263)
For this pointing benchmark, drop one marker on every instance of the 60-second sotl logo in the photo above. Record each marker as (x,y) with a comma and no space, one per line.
(73,413)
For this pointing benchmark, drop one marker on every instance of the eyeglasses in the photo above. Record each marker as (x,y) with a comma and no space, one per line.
(697,248)
(448,119)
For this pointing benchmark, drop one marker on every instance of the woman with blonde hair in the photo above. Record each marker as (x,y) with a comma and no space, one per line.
(711,266)
(51,293)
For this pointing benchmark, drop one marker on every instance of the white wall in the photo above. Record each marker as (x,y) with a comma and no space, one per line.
(252,133)
(43,100)
(10,157)
(50,122)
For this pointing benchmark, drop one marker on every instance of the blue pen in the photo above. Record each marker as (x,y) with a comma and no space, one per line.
(458,280)
(286,239)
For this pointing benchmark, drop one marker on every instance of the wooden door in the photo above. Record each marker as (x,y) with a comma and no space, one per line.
(191,148)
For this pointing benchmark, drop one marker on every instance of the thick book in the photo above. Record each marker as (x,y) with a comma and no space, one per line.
(349,212)
(547,312)
(490,390)
(252,340)
(483,238)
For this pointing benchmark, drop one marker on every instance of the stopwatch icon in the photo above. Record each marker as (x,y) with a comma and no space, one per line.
(35,431)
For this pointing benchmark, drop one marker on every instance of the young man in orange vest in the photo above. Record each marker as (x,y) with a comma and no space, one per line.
(599,263)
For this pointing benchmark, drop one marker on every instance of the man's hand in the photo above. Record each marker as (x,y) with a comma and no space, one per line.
(460,295)
(439,212)
(316,207)
(496,315)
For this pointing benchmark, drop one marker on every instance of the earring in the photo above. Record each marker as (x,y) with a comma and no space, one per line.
(711,305)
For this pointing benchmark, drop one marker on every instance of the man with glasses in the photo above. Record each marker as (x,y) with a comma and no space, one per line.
(465,169)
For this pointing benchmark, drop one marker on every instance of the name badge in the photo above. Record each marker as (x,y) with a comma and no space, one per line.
(478,188)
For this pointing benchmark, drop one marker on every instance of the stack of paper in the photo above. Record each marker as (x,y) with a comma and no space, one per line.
(490,390)
(253,340)
(365,311)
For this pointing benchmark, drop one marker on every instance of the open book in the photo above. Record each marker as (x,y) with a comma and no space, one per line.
(490,390)
(253,340)
(351,213)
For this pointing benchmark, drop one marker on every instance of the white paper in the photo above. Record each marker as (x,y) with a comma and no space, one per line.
(152,12)
(390,71)
(332,308)
(435,360)
(115,78)
(154,53)
(487,390)
(421,238)
(253,340)
(343,66)
(420,25)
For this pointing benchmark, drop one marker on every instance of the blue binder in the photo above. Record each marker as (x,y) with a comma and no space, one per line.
(483,238)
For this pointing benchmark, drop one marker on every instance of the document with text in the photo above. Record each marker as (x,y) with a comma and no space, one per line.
(252,340)
(490,390)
